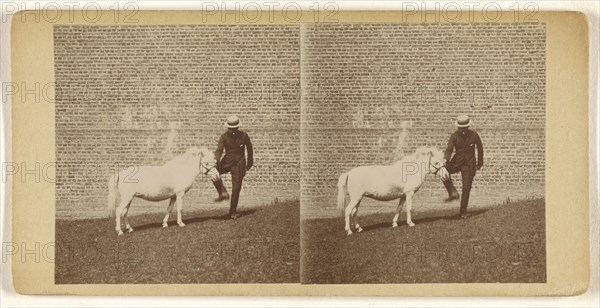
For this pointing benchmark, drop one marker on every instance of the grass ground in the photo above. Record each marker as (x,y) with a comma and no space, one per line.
(502,244)
(261,246)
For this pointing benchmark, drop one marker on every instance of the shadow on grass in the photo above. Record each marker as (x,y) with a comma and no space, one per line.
(196,220)
(423,220)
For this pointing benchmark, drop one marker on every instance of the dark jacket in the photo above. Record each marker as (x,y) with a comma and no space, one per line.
(464,144)
(235,143)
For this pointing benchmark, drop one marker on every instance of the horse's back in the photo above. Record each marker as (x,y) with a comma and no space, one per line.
(155,183)
(152,173)
(371,172)
(376,182)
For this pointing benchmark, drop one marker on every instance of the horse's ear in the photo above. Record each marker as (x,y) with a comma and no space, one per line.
(421,151)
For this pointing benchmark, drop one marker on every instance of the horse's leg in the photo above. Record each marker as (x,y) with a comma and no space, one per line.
(354,201)
(409,196)
(169,209)
(179,207)
(125,200)
(398,210)
(355,218)
(127,225)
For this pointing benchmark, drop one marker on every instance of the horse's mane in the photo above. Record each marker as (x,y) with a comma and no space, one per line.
(181,158)
(413,156)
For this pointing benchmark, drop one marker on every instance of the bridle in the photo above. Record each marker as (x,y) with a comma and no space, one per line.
(208,166)
(437,169)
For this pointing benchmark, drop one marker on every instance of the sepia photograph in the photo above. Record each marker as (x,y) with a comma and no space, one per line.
(307,151)
(177,152)
(423,153)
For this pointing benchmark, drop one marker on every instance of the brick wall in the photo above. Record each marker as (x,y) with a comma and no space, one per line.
(370,93)
(138,95)
(373,92)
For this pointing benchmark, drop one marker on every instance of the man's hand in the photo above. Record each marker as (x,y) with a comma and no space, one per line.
(444,175)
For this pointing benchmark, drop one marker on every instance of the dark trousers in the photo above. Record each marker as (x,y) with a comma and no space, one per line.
(237,177)
(468,173)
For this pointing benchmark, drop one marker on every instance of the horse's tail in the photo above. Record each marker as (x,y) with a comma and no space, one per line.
(341,197)
(113,186)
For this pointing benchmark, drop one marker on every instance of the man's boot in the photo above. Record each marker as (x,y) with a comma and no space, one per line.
(233,214)
(452,192)
(221,190)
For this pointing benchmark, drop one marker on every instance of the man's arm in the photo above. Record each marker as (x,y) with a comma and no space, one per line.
(449,148)
(479,151)
(250,153)
(219,150)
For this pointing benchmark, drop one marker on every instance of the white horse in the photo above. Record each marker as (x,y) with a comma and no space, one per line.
(384,183)
(155,183)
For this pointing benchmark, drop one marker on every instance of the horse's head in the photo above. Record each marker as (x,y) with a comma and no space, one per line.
(208,160)
(208,156)
(203,157)
(433,157)
(193,153)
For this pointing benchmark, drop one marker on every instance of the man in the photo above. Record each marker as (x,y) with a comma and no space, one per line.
(464,142)
(236,143)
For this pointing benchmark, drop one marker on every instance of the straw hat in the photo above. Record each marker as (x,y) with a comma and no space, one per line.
(463,121)
(232,122)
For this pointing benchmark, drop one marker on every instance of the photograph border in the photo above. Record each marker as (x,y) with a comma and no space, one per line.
(567,184)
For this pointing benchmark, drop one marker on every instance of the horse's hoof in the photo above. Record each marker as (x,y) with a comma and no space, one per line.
(165,224)
(359,229)
(410,224)
(129,230)
(119,233)
(181,224)
(394,225)
(349,232)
